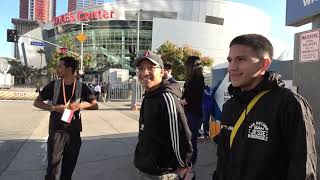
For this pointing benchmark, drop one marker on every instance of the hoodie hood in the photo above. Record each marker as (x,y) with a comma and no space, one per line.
(271,80)
(165,86)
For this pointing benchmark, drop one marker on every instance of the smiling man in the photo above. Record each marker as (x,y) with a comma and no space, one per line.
(267,130)
(164,142)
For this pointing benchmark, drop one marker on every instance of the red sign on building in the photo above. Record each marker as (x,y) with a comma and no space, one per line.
(83,16)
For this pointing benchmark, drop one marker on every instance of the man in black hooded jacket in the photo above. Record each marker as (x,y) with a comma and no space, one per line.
(164,142)
(267,130)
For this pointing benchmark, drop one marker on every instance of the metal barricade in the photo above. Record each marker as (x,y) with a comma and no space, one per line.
(138,91)
(118,90)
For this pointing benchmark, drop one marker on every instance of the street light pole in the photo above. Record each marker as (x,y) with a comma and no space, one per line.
(134,97)
(138,31)
(41,70)
(81,54)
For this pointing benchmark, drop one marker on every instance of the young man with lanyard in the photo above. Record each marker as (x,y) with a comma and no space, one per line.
(267,130)
(64,140)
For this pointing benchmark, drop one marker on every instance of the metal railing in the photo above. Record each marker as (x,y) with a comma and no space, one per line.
(119,90)
(129,90)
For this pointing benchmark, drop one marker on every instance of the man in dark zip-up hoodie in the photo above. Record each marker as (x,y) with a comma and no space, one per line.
(164,142)
(275,140)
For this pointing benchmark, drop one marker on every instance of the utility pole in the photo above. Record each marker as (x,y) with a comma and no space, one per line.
(134,97)
(81,54)
(138,31)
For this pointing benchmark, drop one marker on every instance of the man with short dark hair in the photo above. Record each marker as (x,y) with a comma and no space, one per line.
(167,75)
(164,141)
(65,125)
(266,130)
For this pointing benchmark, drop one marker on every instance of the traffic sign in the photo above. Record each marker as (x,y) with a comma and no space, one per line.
(37,43)
(81,37)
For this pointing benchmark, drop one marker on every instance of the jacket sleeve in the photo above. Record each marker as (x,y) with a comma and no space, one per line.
(179,130)
(299,134)
(223,146)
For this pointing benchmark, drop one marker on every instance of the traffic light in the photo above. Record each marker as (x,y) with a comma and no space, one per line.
(12,35)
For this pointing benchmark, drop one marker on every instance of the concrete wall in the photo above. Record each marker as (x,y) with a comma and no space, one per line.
(210,39)
(306,77)
(31,56)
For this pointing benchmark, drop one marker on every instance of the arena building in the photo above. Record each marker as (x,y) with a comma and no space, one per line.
(111,29)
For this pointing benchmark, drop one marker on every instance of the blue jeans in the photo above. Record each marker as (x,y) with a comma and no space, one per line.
(194,122)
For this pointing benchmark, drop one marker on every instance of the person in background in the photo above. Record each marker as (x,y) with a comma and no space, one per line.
(103,91)
(168,73)
(97,91)
(38,88)
(207,106)
(192,99)
(267,130)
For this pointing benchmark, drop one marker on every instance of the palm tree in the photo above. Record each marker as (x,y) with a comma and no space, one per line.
(40,51)
(66,41)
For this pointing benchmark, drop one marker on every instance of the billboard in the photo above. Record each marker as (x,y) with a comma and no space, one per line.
(300,12)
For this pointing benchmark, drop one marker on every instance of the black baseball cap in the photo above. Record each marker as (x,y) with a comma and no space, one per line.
(148,55)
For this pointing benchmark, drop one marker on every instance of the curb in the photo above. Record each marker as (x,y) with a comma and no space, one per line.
(18,95)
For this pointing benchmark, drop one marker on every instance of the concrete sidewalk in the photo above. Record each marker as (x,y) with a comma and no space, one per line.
(109,138)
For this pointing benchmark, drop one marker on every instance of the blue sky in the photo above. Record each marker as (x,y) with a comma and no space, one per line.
(274,8)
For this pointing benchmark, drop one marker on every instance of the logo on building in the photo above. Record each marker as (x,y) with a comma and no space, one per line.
(258,130)
(83,16)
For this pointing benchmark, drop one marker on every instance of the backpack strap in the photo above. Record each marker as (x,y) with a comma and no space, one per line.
(244,113)
(56,91)
(78,91)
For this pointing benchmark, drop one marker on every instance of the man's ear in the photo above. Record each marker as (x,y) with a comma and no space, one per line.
(161,72)
(266,64)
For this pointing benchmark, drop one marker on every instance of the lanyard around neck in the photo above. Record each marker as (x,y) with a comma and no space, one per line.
(244,113)
(64,92)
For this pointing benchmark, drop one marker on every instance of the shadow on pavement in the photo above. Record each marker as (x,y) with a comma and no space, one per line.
(107,157)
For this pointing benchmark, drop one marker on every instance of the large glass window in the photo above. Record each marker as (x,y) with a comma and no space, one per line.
(108,42)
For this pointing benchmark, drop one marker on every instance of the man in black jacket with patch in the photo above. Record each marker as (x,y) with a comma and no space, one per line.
(267,130)
(164,142)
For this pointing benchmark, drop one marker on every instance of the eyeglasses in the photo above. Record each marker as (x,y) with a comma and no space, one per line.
(149,68)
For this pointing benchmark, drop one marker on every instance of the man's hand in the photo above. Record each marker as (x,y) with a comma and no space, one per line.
(75,106)
(58,108)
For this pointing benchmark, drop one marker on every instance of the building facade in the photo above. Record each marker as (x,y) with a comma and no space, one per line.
(23,9)
(22,26)
(80,4)
(112,29)
(42,11)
